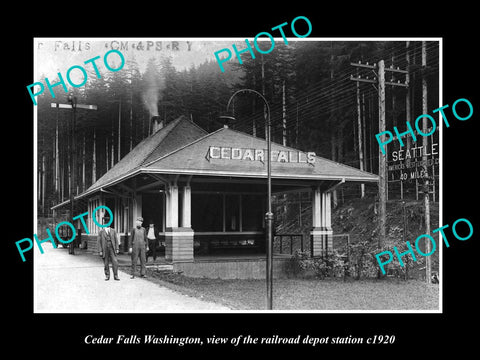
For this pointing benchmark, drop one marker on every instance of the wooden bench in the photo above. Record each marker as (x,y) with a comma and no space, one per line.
(233,244)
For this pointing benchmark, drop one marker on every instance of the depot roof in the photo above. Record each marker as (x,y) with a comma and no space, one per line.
(181,147)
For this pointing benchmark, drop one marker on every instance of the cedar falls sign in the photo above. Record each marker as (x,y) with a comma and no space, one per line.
(231,153)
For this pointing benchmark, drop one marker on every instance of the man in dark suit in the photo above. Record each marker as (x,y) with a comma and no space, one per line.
(138,246)
(107,245)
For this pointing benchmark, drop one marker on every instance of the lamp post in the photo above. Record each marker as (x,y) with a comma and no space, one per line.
(73,101)
(269,214)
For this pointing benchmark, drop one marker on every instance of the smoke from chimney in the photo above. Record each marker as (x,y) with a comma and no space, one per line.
(152,94)
(151,97)
(154,87)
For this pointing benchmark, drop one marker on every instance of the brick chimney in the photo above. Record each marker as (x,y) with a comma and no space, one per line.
(157,123)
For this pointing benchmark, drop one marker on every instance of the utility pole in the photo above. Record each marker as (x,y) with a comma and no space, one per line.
(254,123)
(382,158)
(405,233)
(131,119)
(61,184)
(119,127)
(106,152)
(43,185)
(83,161)
(364,132)
(94,158)
(57,160)
(296,129)
(284,137)
(360,137)
(379,80)
(428,264)
(333,131)
(112,149)
(73,101)
(284,116)
(370,132)
(408,106)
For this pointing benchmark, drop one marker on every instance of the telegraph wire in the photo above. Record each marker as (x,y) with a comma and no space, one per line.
(322,102)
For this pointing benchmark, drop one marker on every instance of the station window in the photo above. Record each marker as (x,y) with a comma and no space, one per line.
(253,208)
(232,212)
(207,212)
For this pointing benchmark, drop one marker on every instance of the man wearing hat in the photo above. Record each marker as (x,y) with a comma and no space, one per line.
(107,245)
(138,246)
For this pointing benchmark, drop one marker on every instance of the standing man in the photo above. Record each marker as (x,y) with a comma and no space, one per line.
(138,246)
(107,245)
(152,241)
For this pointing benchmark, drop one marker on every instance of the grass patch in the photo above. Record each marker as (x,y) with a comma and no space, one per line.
(306,294)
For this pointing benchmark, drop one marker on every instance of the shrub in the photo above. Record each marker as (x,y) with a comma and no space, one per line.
(300,262)
(332,265)
(362,262)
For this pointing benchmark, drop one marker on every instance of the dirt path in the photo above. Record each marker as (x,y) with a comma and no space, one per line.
(75,284)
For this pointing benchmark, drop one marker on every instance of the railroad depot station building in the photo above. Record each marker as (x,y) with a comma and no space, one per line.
(206,193)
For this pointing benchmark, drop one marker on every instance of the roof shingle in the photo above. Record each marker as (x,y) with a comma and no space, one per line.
(176,134)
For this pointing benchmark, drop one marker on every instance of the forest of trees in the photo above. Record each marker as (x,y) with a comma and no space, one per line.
(313,105)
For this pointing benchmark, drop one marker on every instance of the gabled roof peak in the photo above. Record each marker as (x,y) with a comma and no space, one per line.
(173,135)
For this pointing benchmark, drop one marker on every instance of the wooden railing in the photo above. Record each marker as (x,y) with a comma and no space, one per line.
(288,243)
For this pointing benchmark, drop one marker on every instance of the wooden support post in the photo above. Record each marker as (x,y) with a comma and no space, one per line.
(168,221)
(186,207)
(178,239)
(317,224)
(174,206)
